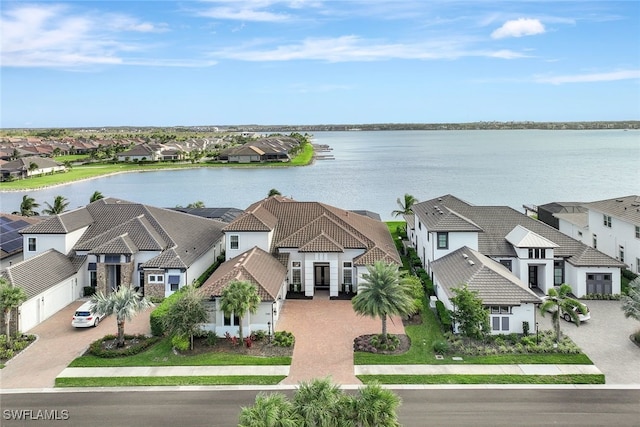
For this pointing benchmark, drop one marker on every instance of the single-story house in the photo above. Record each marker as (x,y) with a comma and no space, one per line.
(319,247)
(25,167)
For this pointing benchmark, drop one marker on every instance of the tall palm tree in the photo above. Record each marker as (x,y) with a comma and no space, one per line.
(383,294)
(406,205)
(272,410)
(274,192)
(124,304)
(557,301)
(239,297)
(96,196)
(60,204)
(198,204)
(11,297)
(27,206)
(320,403)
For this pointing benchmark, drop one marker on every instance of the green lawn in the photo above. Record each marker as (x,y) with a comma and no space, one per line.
(483,379)
(96,170)
(161,354)
(167,381)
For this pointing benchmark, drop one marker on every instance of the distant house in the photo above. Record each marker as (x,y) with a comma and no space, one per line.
(25,167)
(107,244)
(141,152)
(286,248)
(271,149)
(611,226)
(536,253)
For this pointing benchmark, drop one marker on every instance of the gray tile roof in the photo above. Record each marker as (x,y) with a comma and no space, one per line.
(118,245)
(63,223)
(626,208)
(496,222)
(495,284)
(23,163)
(222,214)
(255,266)
(39,273)
(437,215)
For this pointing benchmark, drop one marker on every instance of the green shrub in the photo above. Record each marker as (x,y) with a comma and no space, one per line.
(283,339)
(259,335)
(392,342)
(628,274)
(212,338)
(88,291)
(180,342)
(156,319)
(441,347)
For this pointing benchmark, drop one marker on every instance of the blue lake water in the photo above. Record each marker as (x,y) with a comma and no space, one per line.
(372,169)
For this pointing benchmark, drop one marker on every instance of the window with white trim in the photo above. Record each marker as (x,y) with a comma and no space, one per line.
(637,231)
(347,273)
(621,252)
(595,242)
(637,265)
(536,253)
(32,244)
(296,274)
(443,240)
(606,219)
(234,241)
(156,278)
(231,320)
(500,323)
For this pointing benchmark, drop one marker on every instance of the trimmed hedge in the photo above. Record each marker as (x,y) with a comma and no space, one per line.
(143,342)
(156,319)
(444,316)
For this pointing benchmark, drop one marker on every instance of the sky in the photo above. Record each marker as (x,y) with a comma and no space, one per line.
(308,62)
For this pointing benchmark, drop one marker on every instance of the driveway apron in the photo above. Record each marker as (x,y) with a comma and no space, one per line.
(324,330)
(57,345)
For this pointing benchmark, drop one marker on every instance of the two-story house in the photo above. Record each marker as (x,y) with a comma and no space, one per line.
(535,254)
(107,244)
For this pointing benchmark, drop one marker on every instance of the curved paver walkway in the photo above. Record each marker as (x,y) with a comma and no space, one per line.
(324,331)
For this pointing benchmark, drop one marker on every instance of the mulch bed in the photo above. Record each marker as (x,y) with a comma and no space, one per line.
(403,346)
(260,348)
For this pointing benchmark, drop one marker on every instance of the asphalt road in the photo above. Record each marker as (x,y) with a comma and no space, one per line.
(438,406)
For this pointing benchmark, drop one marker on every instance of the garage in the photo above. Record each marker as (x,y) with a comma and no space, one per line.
(599,283)
(47,303)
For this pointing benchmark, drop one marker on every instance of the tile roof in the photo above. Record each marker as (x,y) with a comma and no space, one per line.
(495,223)
(626,208)
(39,273)
(62,223)
(495,284)
(23,163)
(298,224)
(437,215)
(255,266)
(222,214)
(119,245)
(10,228)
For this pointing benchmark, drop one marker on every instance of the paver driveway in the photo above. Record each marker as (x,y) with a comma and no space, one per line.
(57,345)
(324,331)
(605,339)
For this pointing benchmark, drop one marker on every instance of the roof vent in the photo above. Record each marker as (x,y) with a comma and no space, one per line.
(465,256)
(471,262)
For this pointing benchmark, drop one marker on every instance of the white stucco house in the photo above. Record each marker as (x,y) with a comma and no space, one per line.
(107,244)
(611,226)
(534,252)
(292,249)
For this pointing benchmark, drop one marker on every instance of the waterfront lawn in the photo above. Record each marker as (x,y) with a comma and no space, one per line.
(167,381)
(161,354)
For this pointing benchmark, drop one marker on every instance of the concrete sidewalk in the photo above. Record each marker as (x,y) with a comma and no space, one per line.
(185,371)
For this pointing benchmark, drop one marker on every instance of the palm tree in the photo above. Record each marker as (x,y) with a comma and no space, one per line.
(272,410)
(274,192)
(406,205)
(559,301)
(11,297)
(27,206)
(124,304)
(96,196)
(239,297)
(320,403)
(198,204)
(376,407)
(60,204)
(631,301)
(383,294)
(33,167)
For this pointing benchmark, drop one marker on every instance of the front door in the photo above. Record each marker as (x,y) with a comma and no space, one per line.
(533,276)
(321,276)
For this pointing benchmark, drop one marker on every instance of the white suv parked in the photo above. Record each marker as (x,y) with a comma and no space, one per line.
(84,318)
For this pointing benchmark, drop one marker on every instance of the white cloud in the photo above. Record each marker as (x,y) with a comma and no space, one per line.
(54,36)
(518,28)
(590,78)
(356,49)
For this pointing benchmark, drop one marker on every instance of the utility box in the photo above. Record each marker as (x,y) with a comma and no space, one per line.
(432,301)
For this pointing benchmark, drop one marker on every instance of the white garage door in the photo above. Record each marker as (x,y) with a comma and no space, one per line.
(46,304)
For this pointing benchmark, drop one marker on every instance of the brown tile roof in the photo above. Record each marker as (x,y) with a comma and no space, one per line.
(255,266)
(298,224)
(39,273)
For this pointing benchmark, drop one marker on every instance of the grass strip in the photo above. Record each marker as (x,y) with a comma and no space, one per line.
(161,354)
(484,379)
(168,381)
